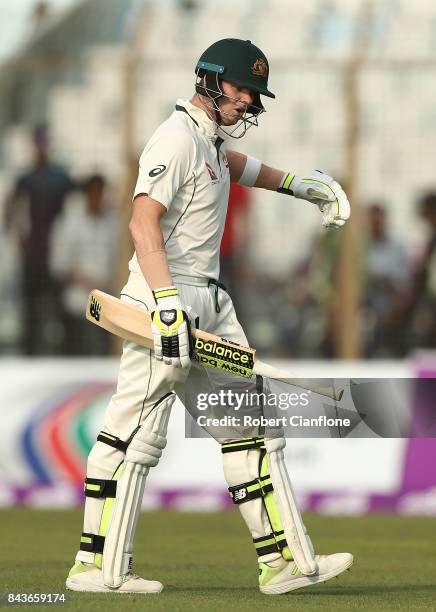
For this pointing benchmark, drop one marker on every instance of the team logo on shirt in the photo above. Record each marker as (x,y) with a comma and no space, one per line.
(158,170)
(213,176)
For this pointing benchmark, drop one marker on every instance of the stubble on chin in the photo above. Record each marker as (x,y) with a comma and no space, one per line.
(230,119)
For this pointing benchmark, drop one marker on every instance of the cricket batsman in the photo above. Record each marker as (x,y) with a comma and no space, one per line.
(179,210)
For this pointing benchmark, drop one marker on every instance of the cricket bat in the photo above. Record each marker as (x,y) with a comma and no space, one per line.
(132,323)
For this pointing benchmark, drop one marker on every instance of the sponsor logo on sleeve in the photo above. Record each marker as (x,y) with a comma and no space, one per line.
(156,171)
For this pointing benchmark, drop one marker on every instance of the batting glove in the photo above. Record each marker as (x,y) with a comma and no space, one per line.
(323,191)
(171,328)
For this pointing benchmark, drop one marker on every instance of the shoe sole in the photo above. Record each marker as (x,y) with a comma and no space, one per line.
(82,587)
(298,583)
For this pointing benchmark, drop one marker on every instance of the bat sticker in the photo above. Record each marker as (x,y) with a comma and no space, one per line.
(94,309)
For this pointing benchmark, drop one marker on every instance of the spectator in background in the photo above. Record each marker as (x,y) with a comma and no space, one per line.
(234,244)
(83,258)
(420,319)
(387,282)
(36,200)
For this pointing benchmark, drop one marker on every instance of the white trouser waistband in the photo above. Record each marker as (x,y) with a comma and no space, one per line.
(196,281)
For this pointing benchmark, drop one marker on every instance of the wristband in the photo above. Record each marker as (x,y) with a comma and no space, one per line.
(251,171)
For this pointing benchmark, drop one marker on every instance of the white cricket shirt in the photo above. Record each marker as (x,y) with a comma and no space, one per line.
(184,167)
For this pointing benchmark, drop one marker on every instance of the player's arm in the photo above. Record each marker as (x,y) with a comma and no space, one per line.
(318,188)
(170,323)
(149,242)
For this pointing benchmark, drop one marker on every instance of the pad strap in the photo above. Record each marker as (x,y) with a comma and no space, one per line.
(96,487)
(113,441)
(254,489)
(90,542)
(241,445)
(274,542)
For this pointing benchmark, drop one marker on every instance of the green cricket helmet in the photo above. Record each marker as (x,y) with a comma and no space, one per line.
(239,62)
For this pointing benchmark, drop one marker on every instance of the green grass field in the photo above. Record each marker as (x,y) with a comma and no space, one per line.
(206,562)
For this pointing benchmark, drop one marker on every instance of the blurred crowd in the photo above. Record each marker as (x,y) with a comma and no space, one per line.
(66,235)
(397,305)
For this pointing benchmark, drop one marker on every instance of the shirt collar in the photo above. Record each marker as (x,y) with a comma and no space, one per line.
(207,126)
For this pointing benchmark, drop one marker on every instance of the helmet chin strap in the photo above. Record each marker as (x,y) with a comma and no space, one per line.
(245,121)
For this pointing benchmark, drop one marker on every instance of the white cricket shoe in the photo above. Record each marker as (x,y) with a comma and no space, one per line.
(88,578)
(287,577)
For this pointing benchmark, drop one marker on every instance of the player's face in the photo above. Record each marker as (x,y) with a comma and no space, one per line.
(235,105)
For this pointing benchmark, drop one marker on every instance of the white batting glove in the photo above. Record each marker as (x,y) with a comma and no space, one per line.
(171,328)
(323,191)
